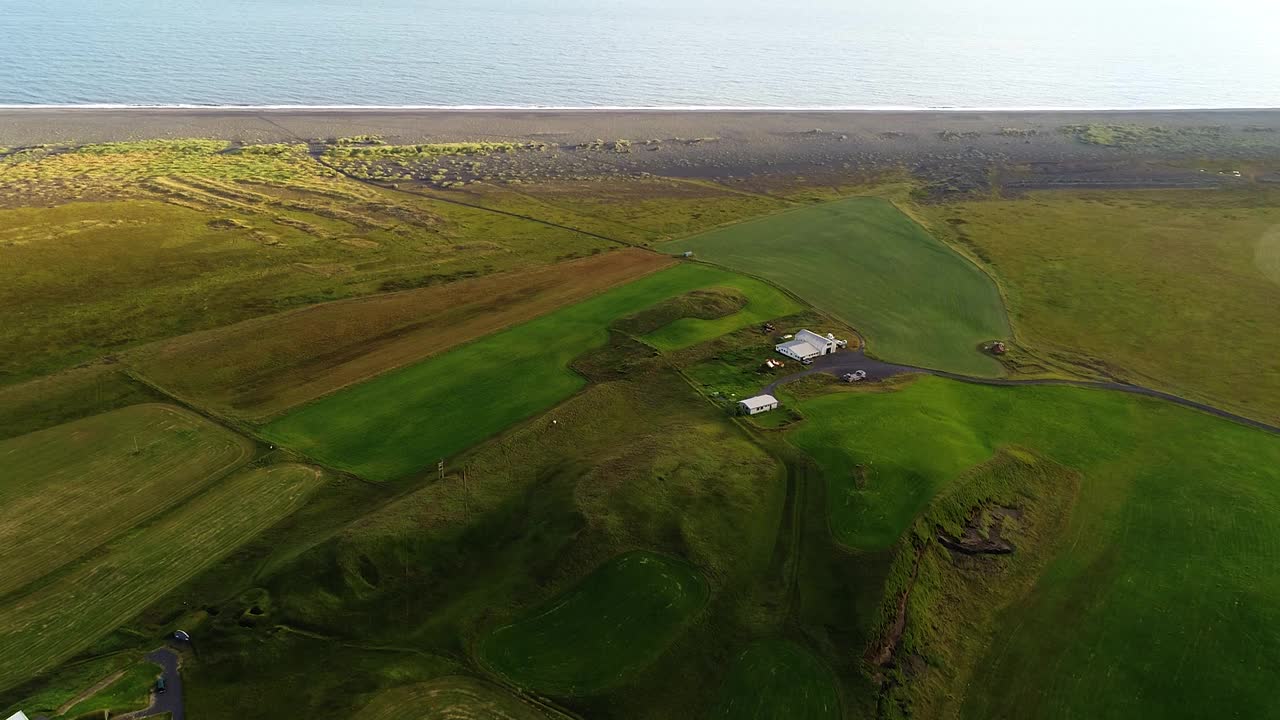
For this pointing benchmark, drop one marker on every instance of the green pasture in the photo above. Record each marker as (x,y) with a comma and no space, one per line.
(1175,289)
(69,489)
(1153,607)
(130,692)
(406,420)
(61,617)
(616,622)
(917,301)
(778,680)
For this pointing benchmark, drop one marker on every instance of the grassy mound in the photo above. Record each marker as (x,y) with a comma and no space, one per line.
(862,260)
(708,304)
(451,698)
(617,621)
(1168,532)
(980,546)
(405,420)
(70,488)
(778,680)
(60,617)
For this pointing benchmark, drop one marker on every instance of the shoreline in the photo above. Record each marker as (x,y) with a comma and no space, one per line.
(955,147)
(873,109)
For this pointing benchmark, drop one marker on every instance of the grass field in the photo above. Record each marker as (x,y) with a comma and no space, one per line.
(634,210)
(59,618)
(617,621)
(930,644)
(403,421)
(640,463)
(452,698)
(69,395)
(1172,535)
(1177,289)
(130,692)
(108,247)
(70,488)
(776,680)
(262,367)
(917,301)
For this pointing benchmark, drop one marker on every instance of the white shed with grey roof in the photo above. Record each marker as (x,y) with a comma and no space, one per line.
(758,404)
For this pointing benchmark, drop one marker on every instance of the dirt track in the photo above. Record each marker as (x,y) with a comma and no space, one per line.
(847,362)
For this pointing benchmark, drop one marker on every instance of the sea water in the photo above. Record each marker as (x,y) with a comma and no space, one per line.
(642,53)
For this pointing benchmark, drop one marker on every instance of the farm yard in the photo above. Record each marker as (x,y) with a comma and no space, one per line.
(401,422)
(863,261)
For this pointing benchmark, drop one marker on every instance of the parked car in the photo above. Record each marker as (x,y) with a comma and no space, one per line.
(160,686)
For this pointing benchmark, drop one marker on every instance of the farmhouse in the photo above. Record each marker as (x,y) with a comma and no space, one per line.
(758,404)
(808,345)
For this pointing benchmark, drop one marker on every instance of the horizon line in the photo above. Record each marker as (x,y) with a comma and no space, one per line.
(628,108)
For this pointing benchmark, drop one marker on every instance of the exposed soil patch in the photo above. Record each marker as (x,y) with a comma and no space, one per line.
(982,534)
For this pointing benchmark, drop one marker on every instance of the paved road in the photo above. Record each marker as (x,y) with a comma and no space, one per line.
(170,701)
(850,360)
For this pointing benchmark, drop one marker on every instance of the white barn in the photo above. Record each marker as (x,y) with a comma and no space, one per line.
(758,404)
(809,345)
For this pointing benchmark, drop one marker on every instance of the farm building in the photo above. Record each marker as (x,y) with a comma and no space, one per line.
(758,404)
(808,345)
(18,716)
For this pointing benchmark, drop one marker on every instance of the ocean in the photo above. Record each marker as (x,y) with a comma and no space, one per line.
(1016,54)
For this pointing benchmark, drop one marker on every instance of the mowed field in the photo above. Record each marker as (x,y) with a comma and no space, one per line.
(406,420)
(1175,289)
(616,622)
(72,610)
(1157,603)
(70,488)
(260,368)
(777,680)
(452,698)
(862,260)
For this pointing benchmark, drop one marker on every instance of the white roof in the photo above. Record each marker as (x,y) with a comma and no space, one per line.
(812,338)
(18,716)
(759,401)
(801,347)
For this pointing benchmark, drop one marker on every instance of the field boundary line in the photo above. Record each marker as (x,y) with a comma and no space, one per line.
(264,420)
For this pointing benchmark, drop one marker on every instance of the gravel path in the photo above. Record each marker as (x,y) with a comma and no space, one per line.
(849,361)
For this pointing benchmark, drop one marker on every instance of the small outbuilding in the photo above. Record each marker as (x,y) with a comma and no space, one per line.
(18,716)
(758,404)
